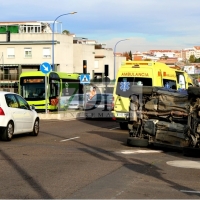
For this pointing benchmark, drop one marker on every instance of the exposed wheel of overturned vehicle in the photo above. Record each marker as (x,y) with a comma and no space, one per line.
(137,142)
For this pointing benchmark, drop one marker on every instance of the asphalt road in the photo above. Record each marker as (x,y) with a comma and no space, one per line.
(89,159)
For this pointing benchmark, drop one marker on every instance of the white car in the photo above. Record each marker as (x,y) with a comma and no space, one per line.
(16,116)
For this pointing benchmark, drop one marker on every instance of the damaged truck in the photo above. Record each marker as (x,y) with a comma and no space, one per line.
(166,117)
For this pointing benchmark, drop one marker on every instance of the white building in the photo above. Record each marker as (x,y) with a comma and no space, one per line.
(30,44)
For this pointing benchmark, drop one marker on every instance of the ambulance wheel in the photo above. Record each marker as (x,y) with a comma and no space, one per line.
(137,142)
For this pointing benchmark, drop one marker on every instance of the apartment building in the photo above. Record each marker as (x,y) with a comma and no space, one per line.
(197,51)
(165,53)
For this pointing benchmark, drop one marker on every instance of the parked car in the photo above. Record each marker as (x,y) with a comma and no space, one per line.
(100,106)
(76,102)
(16,116)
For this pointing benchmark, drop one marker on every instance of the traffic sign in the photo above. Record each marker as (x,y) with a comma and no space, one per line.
(45,67)
(84,78)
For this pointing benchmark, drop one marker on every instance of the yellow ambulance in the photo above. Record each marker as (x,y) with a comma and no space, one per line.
(143,73)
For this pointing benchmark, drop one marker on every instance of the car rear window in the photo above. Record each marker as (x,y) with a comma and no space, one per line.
(11,101)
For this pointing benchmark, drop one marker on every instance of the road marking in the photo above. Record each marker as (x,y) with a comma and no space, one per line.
(113,128)
(185,164)
(192,191)
(69,139)
(139,151)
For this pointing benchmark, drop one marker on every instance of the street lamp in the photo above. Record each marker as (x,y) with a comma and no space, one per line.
(71,13)
(114,53)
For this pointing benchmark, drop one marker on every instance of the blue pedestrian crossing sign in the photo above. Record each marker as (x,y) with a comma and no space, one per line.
(85,78)
(45,67)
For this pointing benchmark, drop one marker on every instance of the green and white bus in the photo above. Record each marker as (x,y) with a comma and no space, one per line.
(60,87)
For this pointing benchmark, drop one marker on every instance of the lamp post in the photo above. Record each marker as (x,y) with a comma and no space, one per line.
(71,13)
(114,53)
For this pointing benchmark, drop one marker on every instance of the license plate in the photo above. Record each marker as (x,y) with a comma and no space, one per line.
(100,106)
(121,114)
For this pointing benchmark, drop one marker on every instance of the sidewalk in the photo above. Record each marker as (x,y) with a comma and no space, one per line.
(62,115)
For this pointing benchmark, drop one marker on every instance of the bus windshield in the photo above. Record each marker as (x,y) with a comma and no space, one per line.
(33,88)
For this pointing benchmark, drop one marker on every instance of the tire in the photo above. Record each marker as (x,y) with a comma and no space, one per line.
(137,142)
(123,125)
(8,132)
(194,91)
(36,128)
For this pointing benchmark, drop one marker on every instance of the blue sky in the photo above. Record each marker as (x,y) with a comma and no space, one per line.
(149,24)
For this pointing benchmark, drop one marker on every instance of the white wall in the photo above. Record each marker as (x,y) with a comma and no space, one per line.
(63,51)
(108,59)
(68,56)
(83,52)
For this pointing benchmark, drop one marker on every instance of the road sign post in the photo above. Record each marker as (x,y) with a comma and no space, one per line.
(45,68)
(84,79)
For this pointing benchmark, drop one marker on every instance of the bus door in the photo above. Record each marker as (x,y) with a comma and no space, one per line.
(54,88)
(181,81)
(54,91)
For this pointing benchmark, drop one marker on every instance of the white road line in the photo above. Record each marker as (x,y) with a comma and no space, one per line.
(139,151)
(69,139)
(192,191)
(113,128)
(184,164)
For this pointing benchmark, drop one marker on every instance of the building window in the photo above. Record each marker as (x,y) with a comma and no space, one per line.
(10,52)
(46,52)
(28,52)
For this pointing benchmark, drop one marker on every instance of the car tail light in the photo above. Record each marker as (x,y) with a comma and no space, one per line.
(1,111)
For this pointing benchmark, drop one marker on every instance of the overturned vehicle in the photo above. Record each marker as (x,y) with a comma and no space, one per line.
(161,116)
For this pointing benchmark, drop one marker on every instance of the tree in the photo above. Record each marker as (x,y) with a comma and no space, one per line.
(192,59)
(66,32)
(197,60)
(126,54)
